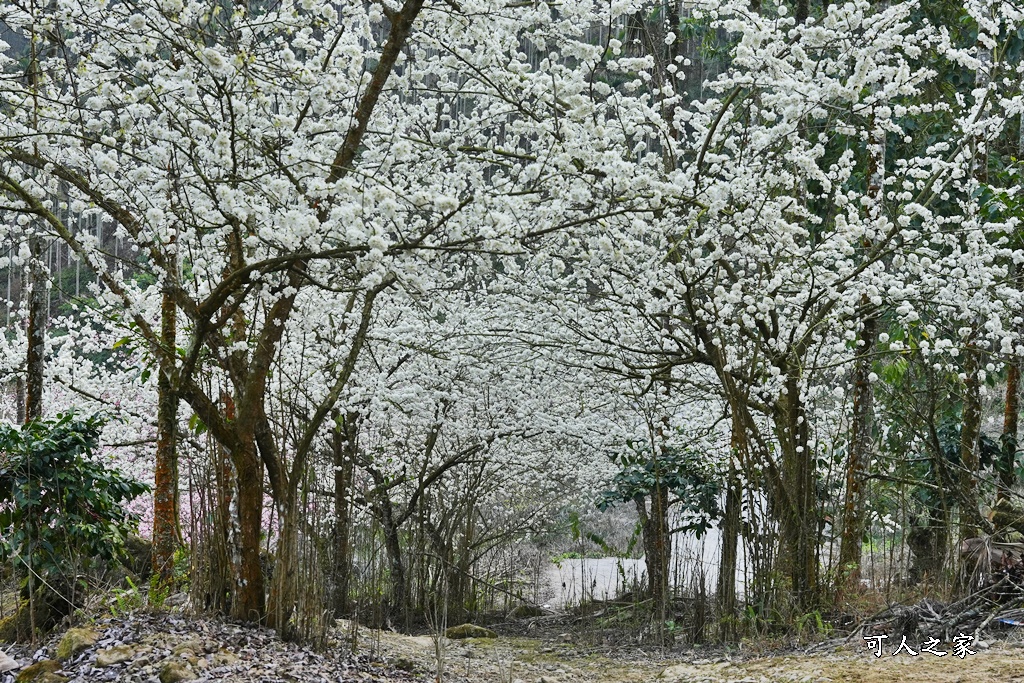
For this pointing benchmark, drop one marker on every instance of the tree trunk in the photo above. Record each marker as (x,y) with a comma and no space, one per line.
(35,367)
(343,446)
(19,398)
(1008,464)
(283,586)
(798,519)
(393,546)
(970,430)
(731,524)
(220,589)
(657,551)
(1011,414)
(165,474)
(35,356)
(927,543)
(462,582)
(801,11)
(854,523)
(250,601)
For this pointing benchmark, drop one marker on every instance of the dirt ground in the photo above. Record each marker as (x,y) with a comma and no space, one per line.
(525,660)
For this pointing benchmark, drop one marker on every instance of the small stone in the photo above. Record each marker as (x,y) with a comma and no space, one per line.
(114,655)
(32,674)
(174,671)
(176,600)
(469,631)
(678,672)
(223,658)
(190,646)
(76,640)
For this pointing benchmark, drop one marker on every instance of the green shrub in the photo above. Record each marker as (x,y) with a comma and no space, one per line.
(59,508)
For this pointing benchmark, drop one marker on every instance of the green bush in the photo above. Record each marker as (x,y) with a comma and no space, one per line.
(59,508)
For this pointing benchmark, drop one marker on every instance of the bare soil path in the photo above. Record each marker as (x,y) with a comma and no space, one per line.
(525,660)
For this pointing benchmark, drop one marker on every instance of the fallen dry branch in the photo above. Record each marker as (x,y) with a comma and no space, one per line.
(999,602)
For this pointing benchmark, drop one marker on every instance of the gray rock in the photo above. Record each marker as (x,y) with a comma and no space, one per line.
(114,655)
(76,640)
(7,663)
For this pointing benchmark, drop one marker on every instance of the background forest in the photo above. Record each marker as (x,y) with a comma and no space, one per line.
(385,303)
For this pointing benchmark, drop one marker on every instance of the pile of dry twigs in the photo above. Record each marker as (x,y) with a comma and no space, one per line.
(996,602)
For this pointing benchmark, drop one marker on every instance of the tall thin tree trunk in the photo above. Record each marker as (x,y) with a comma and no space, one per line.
(396,565)
(35,357)
(970,430)
(460,583)
(801,11)
(854,523)
(731,525)
(19,398)
(283,591)
(1011,417)
(1011,411)
(165,475)
(343,446)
